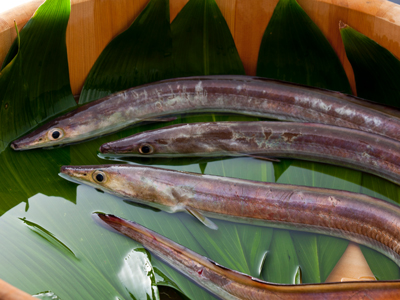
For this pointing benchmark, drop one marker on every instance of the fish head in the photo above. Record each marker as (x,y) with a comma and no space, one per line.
(40,138)
(70,128)
(137,183)
(176,140)
(60,131)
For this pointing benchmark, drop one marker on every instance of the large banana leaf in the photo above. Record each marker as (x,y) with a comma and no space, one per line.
(203,44)
(69,254)
(376,70)
(34,84)
(294,49)
(132,58)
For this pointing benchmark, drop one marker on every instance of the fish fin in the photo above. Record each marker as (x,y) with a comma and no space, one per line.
(263,158)
(159,119)
(203,219)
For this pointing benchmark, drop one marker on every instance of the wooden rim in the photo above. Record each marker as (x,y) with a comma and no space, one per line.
(8,292)
(93,24)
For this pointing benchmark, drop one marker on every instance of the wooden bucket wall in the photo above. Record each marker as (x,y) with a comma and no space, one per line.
(94,23)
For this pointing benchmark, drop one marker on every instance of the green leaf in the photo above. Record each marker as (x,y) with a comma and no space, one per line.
(133,58)
(25,174)
(375,186)
(383,268)
(48,236)
(47,268)
(330,250)
(202,41)
(188,288)
(242,247)
(281,263)
(294,49)
(317,260)
(33,264)
(376,70)
(307,253)
(34,86)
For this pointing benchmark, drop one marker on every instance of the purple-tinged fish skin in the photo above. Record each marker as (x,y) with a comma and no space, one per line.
(230,284)
(360,218)
(309,141)
(231,94)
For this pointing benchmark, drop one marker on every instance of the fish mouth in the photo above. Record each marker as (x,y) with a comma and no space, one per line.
(69,178)
(76,173)
(14,146)
(68,173)
(106,148)
(21,144)
(30,141)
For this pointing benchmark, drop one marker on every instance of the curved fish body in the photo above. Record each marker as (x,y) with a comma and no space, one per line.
(229,94)
(309,141)
(359,218)
(230,284)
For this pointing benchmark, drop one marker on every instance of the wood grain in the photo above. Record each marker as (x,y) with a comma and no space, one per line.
(8,292)
(352,266)
(21,14)
(94,23)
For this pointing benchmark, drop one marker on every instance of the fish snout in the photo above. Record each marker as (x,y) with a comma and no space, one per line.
(116,148)
(66,170)
(15,146)
(105,148)
(75,171)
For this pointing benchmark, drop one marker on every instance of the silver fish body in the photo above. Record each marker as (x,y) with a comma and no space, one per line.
(230,94)
(360,218)
(309,141)
(230,284)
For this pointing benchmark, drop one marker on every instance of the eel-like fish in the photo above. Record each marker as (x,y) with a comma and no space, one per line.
(230,94)
(309,141)
(230,284)
(359,218)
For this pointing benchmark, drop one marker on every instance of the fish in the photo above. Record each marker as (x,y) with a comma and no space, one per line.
(247,95)
(360,218)
(230,284)
(351,148)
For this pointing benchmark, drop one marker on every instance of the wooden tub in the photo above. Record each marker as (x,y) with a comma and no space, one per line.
(94,23)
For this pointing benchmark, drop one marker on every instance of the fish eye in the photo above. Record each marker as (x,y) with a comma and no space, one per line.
(56,134)
(146,149)
(99,176)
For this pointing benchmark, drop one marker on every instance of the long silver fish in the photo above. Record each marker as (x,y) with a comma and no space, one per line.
(359,218)
(230,284)
(309,141)
(231,94)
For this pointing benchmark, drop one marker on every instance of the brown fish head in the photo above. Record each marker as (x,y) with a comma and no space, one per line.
(170,141)
(137,183)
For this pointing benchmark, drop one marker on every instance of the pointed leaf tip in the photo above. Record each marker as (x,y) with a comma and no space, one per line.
(304,55)
(376,69)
